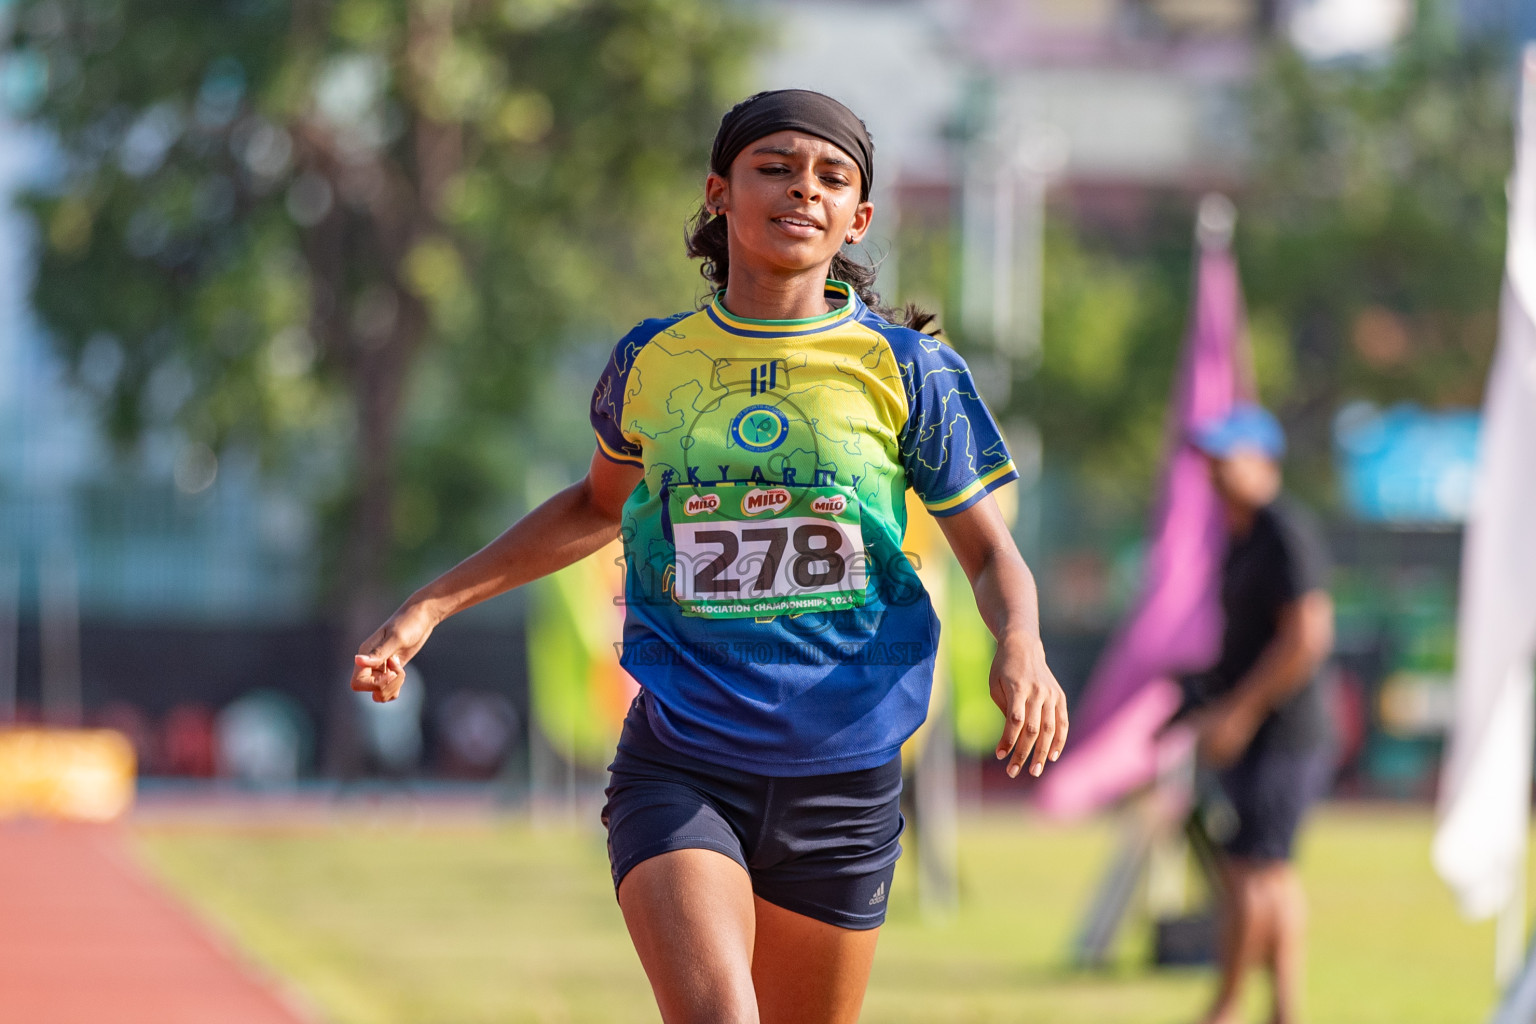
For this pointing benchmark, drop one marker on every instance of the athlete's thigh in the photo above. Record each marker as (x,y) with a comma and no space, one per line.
(807,971)
(690,916)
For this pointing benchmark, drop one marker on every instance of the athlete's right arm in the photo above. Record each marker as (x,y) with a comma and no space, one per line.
(565,529)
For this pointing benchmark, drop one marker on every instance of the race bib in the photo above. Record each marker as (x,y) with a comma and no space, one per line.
(747,551)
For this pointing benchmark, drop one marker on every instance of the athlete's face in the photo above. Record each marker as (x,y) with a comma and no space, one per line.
(791,201)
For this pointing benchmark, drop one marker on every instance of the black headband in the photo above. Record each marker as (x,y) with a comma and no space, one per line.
(797,110)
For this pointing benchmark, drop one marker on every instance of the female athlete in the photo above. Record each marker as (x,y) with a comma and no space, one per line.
(754,455)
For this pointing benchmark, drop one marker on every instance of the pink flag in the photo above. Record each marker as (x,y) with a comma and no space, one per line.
(1176,624)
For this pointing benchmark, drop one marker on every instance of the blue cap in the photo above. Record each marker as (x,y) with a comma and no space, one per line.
(1246,426)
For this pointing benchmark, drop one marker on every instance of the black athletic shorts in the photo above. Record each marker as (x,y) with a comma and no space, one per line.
(823,845)
(1271,791)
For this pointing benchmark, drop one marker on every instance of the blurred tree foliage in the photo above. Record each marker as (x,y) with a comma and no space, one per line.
(289,224)
(1112,324)
(1373,226)
(1112,312)
(1114,319)
(1370,238)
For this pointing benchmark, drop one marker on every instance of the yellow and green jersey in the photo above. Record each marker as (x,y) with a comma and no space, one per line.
(771,615)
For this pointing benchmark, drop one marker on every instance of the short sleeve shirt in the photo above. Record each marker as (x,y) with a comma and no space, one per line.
(770,420)
(1281,559)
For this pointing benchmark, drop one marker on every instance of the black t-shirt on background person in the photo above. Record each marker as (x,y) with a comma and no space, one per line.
(1281,558)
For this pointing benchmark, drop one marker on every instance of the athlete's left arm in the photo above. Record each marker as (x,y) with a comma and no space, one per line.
(1033,706)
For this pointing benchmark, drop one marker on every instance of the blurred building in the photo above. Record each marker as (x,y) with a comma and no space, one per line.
(143,592)
(173,532)
(1120,94)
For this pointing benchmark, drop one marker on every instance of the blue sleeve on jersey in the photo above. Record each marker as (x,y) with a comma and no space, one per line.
(950,447)
(607,412)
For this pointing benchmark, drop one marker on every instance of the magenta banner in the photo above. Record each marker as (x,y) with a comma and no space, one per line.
(1175,624)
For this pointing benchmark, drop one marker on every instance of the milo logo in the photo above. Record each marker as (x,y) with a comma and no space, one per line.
(756,501)
(701,503)
(830,505)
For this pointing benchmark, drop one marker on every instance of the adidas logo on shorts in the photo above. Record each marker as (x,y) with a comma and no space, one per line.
(879,896)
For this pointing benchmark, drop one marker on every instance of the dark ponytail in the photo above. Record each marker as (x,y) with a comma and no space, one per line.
(706,239)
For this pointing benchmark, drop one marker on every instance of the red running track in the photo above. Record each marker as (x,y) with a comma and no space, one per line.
(87,938)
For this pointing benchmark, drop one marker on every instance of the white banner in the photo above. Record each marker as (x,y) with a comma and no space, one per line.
(1485,789)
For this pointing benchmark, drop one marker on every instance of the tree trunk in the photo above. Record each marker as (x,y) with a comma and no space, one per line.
(363,590)
(377,339)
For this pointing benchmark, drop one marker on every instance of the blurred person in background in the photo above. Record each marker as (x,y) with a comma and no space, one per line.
(1262,718)
(757,454)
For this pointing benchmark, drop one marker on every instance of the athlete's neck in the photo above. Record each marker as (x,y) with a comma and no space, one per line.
(765,296)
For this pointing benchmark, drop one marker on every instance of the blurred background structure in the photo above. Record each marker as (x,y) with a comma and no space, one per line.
(292,313)
(301,301)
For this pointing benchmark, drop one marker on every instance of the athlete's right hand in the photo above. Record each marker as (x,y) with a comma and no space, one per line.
(379,667)
(1032,702)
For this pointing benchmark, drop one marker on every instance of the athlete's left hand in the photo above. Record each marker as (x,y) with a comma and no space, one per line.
(1034,708)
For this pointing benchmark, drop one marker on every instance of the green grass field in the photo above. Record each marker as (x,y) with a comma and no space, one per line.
(391,922)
